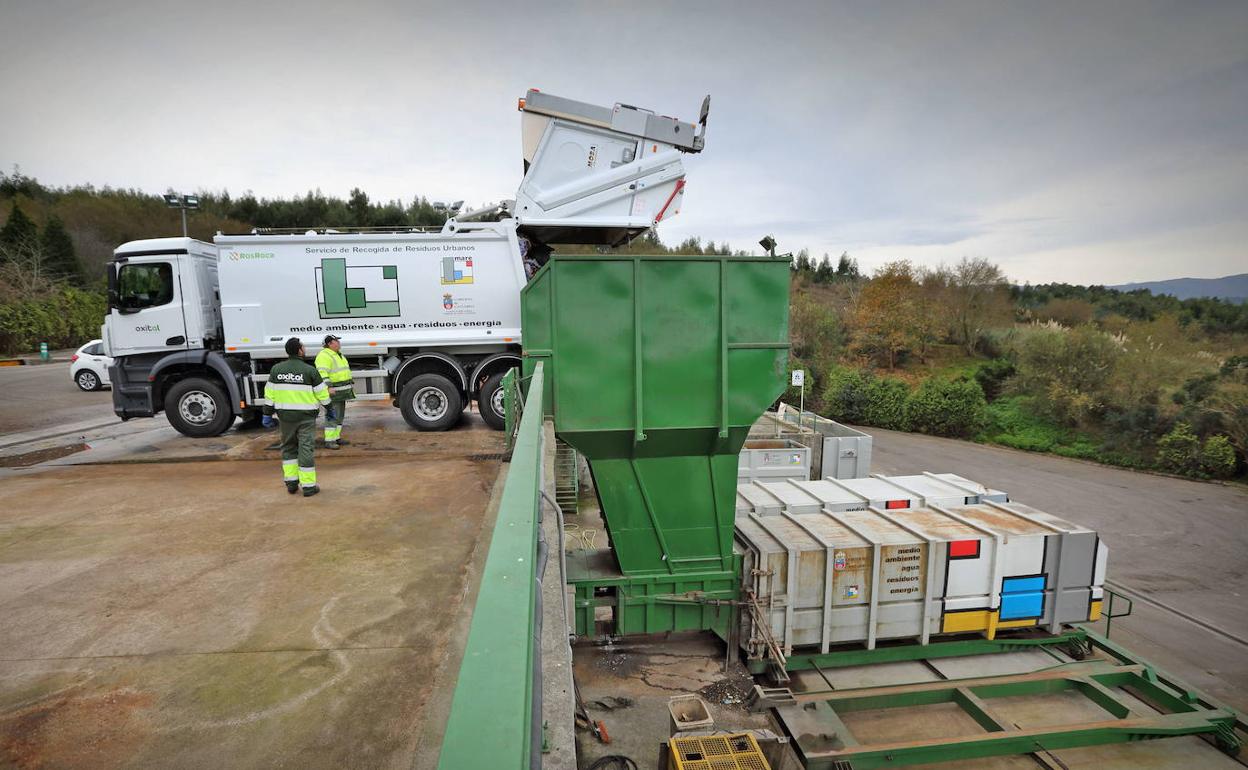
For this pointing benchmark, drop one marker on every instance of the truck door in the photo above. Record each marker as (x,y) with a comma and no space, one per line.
(146,314)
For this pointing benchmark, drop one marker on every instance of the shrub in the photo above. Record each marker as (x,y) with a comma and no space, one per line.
(1068,372)
(947,408)
(64,318)
(1179,450)
(1217,457)
(886,404)
(1012,423)
(991,376)
(845,394)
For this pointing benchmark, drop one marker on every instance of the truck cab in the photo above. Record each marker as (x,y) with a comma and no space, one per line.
(163,312)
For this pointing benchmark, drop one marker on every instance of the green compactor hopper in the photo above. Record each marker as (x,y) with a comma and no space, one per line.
(656,367)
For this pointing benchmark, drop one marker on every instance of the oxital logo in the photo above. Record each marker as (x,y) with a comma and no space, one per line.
(148,328)
(238,256)
(288,377)
(448,302)
(356,291)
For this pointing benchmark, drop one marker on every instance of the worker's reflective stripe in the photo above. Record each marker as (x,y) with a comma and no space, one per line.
(322,393)
(290,470)
(312,407)
(333,366)
(285,394)
(307,477)
(333,432)
(337,388)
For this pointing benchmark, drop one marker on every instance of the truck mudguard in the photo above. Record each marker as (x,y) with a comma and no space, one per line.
(208,359)
(463,378)
(487,363)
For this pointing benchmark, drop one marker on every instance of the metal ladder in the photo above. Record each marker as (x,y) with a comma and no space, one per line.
(567,477)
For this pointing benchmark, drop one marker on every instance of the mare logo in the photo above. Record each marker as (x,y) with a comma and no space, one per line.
(148,328)
(237,256)
(456,270)
(357,291)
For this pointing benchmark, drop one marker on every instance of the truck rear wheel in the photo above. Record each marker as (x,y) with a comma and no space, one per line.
(490,402)
(198,407)
(431,402)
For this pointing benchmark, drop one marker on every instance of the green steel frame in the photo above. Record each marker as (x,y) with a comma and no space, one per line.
(655,604)
(953,648)
(491,722)
(823,740)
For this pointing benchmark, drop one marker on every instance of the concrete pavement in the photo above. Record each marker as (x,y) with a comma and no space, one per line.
(38,397)
(179,609)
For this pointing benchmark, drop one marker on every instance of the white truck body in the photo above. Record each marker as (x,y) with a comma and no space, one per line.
(377,292)
(430,320)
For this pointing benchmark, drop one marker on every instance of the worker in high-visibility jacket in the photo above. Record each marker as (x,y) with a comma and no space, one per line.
(336,372)
(296,392)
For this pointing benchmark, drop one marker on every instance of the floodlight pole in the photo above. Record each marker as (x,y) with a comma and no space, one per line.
(184,231)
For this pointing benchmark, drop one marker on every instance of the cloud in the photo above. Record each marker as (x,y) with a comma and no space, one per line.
(1067,141)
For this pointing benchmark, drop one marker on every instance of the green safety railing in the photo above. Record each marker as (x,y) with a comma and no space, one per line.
(496,709)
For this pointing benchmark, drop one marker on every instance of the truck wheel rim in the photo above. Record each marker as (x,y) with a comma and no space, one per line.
(197,407)
(429,403)
(87,380)
(496,402)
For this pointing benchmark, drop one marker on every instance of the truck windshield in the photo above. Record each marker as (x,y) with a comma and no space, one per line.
(144,285)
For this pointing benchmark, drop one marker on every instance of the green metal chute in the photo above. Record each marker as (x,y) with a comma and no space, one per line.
(656,368)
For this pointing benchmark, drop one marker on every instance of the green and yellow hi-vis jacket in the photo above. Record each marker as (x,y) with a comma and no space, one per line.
(334,368)
(294,386)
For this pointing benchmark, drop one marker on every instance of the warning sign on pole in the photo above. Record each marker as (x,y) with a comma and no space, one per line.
(799,378)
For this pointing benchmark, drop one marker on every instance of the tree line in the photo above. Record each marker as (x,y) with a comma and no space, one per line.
(1091,372)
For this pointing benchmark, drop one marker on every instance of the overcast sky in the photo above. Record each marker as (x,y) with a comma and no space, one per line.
(1083,142)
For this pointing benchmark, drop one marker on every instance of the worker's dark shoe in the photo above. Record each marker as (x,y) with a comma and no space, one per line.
(292,486)
(331,445)
(309,491)
(343,442)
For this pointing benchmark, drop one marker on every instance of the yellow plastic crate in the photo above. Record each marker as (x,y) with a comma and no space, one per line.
(735,751)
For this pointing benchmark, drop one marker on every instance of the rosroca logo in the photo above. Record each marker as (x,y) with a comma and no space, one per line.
(237,256)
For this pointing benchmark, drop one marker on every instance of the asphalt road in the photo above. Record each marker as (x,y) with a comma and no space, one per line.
(43,395)
(1180,546)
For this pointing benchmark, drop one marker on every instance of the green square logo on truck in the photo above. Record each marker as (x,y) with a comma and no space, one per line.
(356,291)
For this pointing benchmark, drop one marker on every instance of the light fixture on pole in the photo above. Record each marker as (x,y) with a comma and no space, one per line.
(183,202)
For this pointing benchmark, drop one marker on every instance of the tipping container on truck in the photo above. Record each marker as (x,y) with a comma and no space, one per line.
(428,318)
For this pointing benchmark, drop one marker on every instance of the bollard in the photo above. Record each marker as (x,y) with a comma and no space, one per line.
(43,351)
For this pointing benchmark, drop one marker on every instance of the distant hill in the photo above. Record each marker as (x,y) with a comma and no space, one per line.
(1231,287)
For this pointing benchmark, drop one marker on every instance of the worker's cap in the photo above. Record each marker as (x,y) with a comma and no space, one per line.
(330,338)
(292,346)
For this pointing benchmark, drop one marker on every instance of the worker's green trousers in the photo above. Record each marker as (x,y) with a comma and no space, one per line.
(335,415)
(298,444)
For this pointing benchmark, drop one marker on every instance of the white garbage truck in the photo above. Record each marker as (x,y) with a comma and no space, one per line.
(429,318)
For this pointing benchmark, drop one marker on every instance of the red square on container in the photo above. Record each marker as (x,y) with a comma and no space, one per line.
(964,549)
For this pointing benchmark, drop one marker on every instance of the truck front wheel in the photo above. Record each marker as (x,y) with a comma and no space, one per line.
(198,408)
(490,402)
(431,402)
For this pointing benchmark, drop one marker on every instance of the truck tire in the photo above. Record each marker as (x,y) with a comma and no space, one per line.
(198,408)
(431,402)
(490,402)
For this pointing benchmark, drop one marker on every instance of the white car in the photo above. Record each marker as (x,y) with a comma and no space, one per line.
(89,366)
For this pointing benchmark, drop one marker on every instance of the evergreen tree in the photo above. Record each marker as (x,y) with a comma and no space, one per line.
(823,273)
(59,259)
(359,206)
(847,268)
(19,233)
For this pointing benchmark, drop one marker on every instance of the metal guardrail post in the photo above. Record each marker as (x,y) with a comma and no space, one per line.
(491,723)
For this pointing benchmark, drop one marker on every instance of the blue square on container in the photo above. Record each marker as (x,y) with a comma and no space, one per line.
(1022,597)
